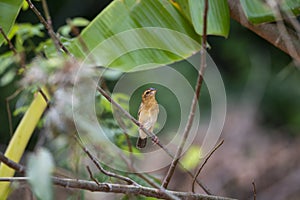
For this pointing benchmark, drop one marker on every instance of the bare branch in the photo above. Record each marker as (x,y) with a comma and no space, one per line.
(98,165)
(91,175)
(107,187)
(51,33)
(194,102)
(254,190)
(11,164)
(11,46)
(267,31)
(205,161)
(7,100)
(119,188)
(13,49)
(47,13)
(125,132)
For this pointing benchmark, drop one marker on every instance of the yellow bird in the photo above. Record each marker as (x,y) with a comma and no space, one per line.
(147,115)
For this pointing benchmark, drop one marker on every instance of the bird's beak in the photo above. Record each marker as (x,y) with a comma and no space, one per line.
(153,90)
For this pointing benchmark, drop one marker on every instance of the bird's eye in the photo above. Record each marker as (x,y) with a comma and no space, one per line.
(148,91)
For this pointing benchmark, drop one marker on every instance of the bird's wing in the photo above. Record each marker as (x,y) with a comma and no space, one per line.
(140,108)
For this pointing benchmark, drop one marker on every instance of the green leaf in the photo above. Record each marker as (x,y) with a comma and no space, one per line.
(129,34)
(7,72)
(40,166)
(258,11)
(218,18)
(80,21)
(8,77)
(9,10)
(77,22)
(6,60)
(191,158)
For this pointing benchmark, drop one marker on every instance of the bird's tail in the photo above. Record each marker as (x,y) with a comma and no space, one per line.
(141,142)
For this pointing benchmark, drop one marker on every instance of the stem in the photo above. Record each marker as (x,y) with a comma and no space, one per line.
(205,161)
(51,33)
(11,46)
(119,188)
(108,187)
(194,102)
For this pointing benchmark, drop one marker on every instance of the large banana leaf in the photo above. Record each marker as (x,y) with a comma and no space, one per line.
(130,33)
(258,11)
(218,18)
(9,10)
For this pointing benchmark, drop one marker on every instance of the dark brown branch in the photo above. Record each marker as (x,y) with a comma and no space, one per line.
(134,171)
(118,188)
(203,164)
(254,190)
(51,33)
(12,164)
(101,169)
(11,46)
(13,49)
(9,115)
(47,13)
(125,132)
(91,175)
(267,31)
(194,102)
(107,187)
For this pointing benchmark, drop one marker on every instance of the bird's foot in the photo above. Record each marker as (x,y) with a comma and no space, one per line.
(155,140)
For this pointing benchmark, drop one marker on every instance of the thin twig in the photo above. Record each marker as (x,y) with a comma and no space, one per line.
(51,32)
(98,165)
(91,175)
(205,161)
(47,13)
(136,122)
(194,102)
(129,144)
(9,115)
(16,166)
(254,190)
(107,187)
(145,178)
(11,46)
(119,188)
(13,49)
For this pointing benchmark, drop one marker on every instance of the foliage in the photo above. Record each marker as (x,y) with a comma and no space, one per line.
(126,34)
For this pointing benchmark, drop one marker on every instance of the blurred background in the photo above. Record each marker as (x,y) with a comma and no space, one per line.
(262,129)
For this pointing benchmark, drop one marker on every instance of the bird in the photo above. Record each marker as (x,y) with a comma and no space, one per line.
(147,115)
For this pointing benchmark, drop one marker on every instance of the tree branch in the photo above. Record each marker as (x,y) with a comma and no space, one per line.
(119,188)
(107,173)
(194,102)
(11,164)
(267,31)
(108,187)
(205,161)
(11,46)
(51,33)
